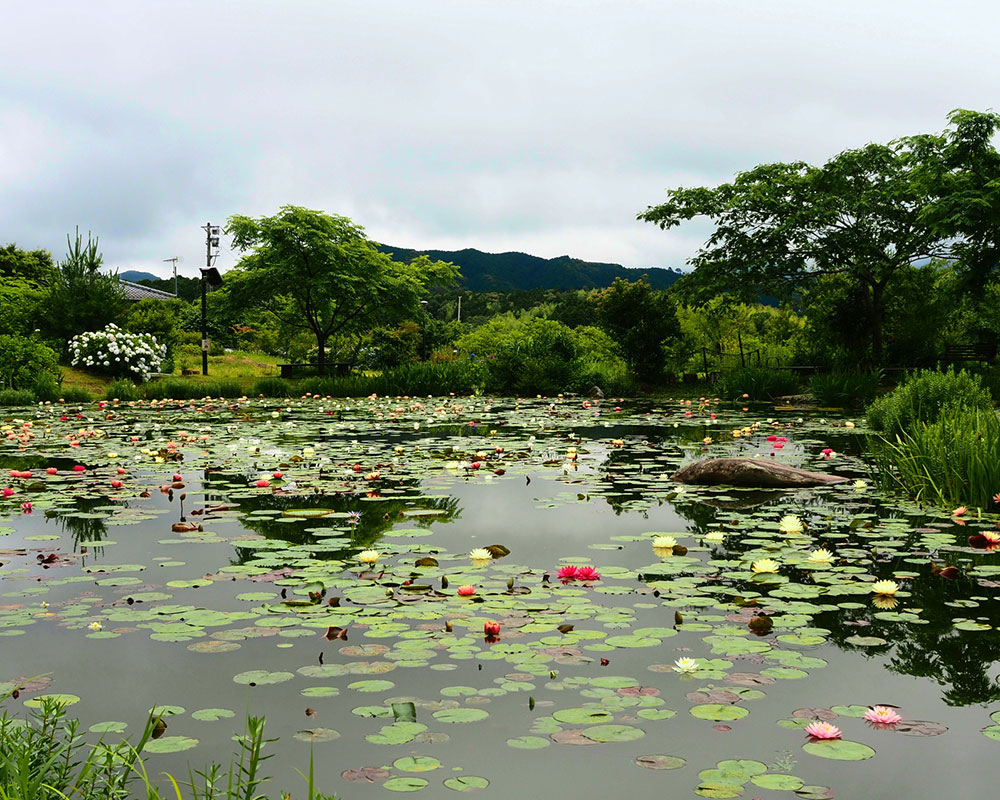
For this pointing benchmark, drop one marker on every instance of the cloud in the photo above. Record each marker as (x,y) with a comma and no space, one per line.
(541,127)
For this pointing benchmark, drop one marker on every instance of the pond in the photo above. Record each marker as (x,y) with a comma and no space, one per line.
(309,562)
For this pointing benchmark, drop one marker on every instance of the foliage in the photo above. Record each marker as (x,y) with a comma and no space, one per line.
(843,389)
(122,389)
(32,265)
(116,352)
(952,460)
(46,758)
(717,330)
(82,298)
(23,361)
(923,397)
(640,319)
(179,389)
(158,317)
(760,383)
(16,397)
(319,272)
(862,215)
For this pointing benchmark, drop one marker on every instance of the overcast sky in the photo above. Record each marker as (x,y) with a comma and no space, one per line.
(541,126)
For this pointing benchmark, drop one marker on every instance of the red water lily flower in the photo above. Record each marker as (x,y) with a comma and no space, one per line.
(587,574)
(491,627)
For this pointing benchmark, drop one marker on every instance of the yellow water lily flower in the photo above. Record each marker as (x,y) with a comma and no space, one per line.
(663,542)
(96,626)
(885,587)
(821,556)
(714,536)
(860,484)
(480,554)
(765,565)
(369,556)
(790,524)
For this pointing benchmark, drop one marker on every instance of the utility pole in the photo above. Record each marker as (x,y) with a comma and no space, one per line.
(211,252)
(175,259)
(460,308)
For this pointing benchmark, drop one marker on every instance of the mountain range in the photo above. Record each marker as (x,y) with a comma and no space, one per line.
(506,272)
(503,272)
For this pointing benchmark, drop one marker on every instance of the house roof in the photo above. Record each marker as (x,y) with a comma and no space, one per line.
(136,291)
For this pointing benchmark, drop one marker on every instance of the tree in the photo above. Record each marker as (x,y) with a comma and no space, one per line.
(31,265)
(866,214)
(320,272)
(640,319)
(82,298)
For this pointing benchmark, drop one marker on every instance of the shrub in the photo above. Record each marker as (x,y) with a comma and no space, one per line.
(272,387)
(951,461)
(122,390)
(843,389)
(24,361)
(761,383)
(118,353)
(178,389)
(76,394)
(46,387)
(924,396)
(16,397)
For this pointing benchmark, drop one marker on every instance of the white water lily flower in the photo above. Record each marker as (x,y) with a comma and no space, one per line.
(480,554)
(663,541)
(686,666)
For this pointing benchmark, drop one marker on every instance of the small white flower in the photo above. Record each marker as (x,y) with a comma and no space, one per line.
(686,666)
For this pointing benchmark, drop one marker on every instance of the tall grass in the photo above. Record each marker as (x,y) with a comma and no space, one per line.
(47,757)
(952,461)
(845,389)
(760,383)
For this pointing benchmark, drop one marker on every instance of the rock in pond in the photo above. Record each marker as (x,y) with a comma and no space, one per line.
(757,472)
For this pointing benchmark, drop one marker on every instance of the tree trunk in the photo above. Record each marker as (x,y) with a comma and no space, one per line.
(321,343)
(878,315)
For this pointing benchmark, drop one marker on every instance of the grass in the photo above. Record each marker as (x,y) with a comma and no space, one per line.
(845,389)
(47,757)
(952,461)
(238,364)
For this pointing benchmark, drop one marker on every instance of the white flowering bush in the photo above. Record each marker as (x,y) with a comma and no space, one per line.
(117,352)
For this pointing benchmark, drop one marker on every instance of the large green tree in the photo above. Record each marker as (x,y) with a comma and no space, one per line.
(640,319)
(319,272)
(866,215)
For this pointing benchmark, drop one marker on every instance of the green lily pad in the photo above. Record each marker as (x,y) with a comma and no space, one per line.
(262,677)
(718,712)
(839,750)
(466,783)
(170,744)
(416,764)
(404,784)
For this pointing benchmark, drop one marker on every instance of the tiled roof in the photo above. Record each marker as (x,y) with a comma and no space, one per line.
(136,291)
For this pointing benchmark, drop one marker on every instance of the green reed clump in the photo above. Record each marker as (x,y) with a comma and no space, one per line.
(761,383)
(47,757)
(952,461)
(844,389)
(924,396)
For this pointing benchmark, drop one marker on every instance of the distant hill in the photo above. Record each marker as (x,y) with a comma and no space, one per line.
(506,272)
(135,276)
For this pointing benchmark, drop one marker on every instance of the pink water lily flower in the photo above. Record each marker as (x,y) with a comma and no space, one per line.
(587,574)
(567,574)
(823,730)
(466,591)
(882,715)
